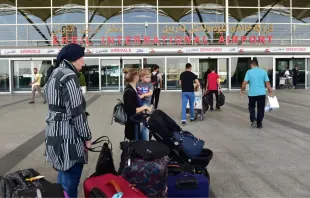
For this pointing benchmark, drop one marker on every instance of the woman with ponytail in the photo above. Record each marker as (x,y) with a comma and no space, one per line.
(132,103)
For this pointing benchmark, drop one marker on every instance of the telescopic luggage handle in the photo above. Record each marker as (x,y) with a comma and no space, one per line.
(142,117)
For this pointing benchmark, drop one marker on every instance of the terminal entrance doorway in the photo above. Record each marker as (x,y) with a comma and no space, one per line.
(219,64)
(283,63)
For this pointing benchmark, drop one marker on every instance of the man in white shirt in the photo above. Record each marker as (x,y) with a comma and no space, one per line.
(36,86)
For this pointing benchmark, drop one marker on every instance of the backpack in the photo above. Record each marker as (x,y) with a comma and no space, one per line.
(144,164)
(154,79)
(119,113)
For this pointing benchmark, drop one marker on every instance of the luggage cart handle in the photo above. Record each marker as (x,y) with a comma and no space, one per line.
(142,117)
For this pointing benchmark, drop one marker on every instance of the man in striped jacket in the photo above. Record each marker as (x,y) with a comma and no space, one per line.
(67,132)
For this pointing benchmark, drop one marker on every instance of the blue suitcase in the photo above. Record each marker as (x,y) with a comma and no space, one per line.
(188,185)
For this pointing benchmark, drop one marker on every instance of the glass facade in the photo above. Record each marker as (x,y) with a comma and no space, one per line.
(159,23)
(56,22)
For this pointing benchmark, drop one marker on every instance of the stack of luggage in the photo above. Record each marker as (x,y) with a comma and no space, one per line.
(175,165)
(172,165)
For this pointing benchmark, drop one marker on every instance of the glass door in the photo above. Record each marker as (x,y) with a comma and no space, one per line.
(308,73)
(239,67)
(301,65)
(222,71)
(110,74)
(130,63)
(23,75)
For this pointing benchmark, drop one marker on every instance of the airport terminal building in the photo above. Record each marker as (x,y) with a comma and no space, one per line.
(223,34)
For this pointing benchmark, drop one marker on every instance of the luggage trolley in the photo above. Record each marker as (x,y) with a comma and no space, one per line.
(286,82)
(198,104)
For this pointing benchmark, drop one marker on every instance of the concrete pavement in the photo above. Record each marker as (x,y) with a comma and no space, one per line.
(269,162)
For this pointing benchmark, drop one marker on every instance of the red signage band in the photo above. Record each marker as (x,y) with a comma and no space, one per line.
(179,40)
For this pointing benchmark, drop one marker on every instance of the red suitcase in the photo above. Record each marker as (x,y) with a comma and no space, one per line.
(111,186)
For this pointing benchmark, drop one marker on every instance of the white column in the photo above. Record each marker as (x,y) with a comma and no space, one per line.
(86,20)
(226,18)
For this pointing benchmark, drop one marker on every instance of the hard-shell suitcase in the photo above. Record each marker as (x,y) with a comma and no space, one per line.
(188,185)
(110,185)
(186,180)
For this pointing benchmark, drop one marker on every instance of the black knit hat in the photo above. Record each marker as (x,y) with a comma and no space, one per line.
(70,52)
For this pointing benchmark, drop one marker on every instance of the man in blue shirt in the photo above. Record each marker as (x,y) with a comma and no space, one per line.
(258,80)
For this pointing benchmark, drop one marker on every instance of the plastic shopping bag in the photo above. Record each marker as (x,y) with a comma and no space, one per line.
(272,103)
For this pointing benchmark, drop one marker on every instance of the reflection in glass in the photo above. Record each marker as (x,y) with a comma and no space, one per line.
(105,15)
(27,3)
(67,3)
(105,3)
(131,63)
(266,63)
(186,3)
(243,15)
(23,73)
(223,72)
(110,74)
(208,15)
(149,63)
(239,67)
(91,73)
(175,66)
(308,72)
(283,63)
(275,15)
(4,76)
(301,64)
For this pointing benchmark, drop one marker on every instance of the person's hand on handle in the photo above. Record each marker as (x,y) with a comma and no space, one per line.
(148,109)
(88,144)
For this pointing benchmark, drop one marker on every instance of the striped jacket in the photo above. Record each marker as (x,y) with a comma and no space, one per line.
(67,127)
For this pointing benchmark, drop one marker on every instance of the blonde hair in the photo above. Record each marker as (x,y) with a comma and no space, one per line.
(144,72)
(130,74)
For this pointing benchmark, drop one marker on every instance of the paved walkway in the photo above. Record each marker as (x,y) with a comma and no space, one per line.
(271,162)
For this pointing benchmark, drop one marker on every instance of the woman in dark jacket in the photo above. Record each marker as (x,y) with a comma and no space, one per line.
(132,103)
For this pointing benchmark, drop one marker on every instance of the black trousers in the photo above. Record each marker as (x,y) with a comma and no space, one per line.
(260,101)
(155,96)
(294,81)
(216,93)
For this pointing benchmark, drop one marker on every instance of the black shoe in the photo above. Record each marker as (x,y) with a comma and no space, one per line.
(193,120)
(44,102)
(259,126)
(31,102)
(254,124)
(211,109)
(183,123)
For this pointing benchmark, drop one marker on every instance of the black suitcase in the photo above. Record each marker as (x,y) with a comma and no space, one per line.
(19,184)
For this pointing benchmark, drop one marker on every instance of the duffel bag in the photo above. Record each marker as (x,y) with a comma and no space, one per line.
(188,143)
(144,164)
(28,183)
(110,185)
(221,99)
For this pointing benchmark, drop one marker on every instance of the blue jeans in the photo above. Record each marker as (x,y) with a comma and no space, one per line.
(144,130)
(70,179)
(188,96)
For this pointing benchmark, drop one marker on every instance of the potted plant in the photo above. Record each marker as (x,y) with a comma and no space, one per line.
(82,83)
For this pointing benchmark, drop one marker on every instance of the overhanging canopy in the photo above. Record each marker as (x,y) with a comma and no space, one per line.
(175,13)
